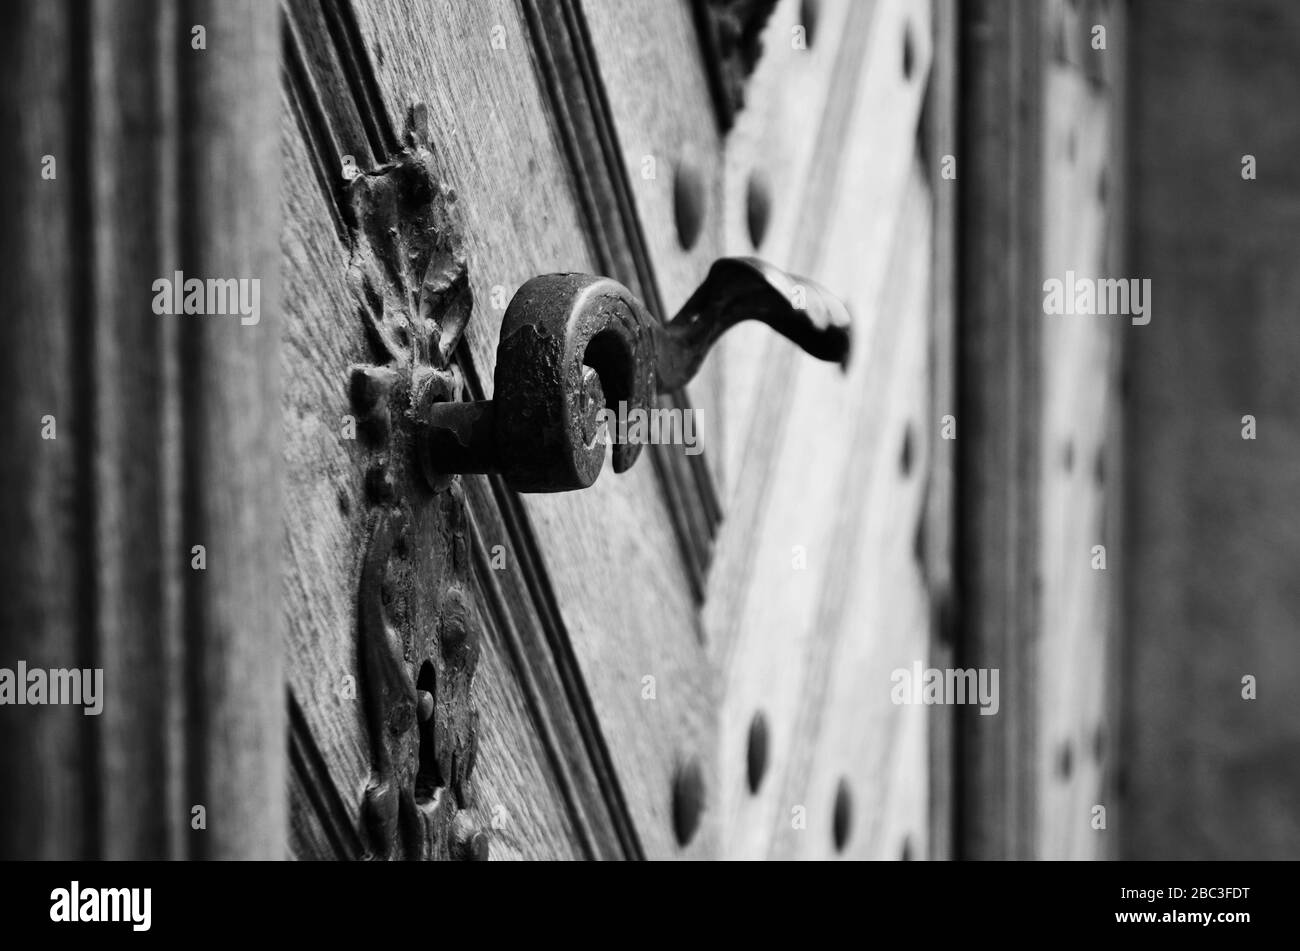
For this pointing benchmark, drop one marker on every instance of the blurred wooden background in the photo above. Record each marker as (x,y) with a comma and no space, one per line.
(1212,572)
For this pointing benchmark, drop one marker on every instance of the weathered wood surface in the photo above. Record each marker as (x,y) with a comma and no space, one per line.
(588,91)
(655,83)
(818,470)
(610,556)
(604,678)
(522,766)
(167,432)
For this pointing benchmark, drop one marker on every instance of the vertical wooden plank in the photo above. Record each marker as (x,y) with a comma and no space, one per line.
(138,573)
(999,357)
(1079,400)
(825,514)
(1039,397)
(43,611)
(166,432)
(229,184)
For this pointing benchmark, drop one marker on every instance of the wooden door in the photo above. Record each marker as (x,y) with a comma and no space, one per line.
(302,592)
(688,659)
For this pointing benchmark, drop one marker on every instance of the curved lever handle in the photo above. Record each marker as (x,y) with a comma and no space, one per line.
(571,344)
(749,289)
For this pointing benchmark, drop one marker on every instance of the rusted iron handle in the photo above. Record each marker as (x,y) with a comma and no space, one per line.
(572,344)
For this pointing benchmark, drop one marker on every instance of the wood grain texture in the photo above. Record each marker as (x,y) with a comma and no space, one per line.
(811,648)
(871,615)
(226,190)
(328,113)
(605,183)
(798,127)
(825,461)
(1212,532)
(786,144)
(494,145)
(167,436)
(610,552)
(656,87)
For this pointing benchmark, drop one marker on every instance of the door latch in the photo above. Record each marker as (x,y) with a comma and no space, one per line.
(573,344)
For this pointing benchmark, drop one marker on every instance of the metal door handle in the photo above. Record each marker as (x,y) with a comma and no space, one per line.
(573,344)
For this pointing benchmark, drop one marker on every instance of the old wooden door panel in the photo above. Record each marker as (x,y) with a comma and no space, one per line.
(735,617)
(599,684)
(842,116)
(656,86)
(1081,233)
(610,552)
(1039,398)
(609,556)
(650,216)
(818,668)
(848,106)
(812,648)
(783,149)
(326,511)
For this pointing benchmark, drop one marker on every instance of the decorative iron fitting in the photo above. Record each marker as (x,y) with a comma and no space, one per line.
(418,633)
(730,32)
